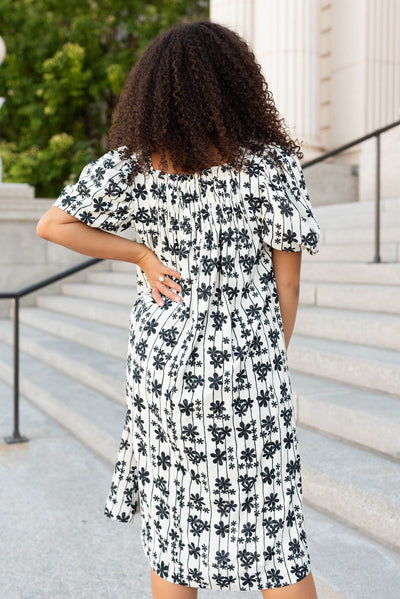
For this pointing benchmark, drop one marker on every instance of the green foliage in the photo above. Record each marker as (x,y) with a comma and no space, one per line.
(65,66)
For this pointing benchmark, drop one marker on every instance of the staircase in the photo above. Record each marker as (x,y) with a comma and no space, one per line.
(344,358)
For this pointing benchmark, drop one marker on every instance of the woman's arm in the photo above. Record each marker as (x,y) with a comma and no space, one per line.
(58,226)
(287,276)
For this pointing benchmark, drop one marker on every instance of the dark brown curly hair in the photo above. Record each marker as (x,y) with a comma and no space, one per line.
(194,85)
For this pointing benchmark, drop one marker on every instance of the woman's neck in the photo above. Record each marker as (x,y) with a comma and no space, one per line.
(156,161)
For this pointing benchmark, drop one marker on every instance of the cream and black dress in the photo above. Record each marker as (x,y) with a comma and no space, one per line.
(209,442)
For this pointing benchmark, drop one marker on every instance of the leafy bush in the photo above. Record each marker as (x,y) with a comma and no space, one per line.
(65,66)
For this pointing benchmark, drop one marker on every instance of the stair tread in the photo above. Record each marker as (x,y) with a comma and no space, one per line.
(78,300)
(73,321)
(344,348)
(380,405)
(350,562)
(104,413)
(117,279)
(99,287)
(348,313)
(376,476)
(70,327)
(107,365)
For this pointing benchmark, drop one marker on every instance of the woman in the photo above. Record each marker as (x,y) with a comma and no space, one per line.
(203,168)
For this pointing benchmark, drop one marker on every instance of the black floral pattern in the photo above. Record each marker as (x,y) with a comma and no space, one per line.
(209,453)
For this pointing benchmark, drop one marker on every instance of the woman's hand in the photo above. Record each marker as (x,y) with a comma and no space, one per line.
(153,268)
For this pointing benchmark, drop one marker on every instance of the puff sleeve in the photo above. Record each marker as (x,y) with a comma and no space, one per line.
(102,197)
(288,222)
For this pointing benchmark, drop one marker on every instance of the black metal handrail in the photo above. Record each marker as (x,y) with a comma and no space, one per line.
(377,134)
(15,296)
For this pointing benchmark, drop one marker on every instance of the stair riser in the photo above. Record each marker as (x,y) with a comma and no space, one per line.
(95,439)
(389,252)
(363,331)
(384,299)
(113,278)
(85,310)
(359,372)
(352,505)
(106,293)
(109,347)
(359,219)
(357,235)
(82,373)
(370,274)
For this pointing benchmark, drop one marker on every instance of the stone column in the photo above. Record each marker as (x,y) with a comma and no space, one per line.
(287,45)
(235,14)
(284,35)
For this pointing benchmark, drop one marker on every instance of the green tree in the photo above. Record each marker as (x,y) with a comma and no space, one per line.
(65,66)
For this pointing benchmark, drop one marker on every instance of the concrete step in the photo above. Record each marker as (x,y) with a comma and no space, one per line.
(339,272)
(360,220)
(365,418)
(105,293)
(54,493)
(118,266)
(345,211)
(118,279)
(91,368)
(89,416)
(358,235)
(355,486)
(373,298)
(112,341)
(345,563)
(365,367)
(369,298)
(103,338)
(103,312)
(367,328)
(355,252)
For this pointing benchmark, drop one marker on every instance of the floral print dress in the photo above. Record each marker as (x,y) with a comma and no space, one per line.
(209,456)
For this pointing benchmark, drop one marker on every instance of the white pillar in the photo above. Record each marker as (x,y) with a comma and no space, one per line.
(235,14)
(284,35)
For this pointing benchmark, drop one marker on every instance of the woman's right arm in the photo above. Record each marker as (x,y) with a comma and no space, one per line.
(287,276)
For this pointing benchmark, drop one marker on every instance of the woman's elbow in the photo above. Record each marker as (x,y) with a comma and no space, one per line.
(43,228)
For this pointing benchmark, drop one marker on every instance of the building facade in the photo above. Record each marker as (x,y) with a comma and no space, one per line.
(332,66)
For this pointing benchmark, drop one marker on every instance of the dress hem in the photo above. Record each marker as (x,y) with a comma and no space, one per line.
(217,588)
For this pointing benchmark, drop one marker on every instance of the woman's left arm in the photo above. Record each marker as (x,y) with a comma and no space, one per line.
(287,267)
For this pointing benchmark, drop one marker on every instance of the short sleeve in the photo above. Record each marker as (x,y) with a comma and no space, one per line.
(102,197)
(288,221)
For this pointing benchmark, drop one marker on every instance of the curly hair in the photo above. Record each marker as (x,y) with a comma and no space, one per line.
(196,84)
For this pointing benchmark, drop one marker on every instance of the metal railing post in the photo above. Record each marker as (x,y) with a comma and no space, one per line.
(16,436)
(15,296)
(377,257)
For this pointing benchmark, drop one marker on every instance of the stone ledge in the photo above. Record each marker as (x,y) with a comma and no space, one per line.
(16,191)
